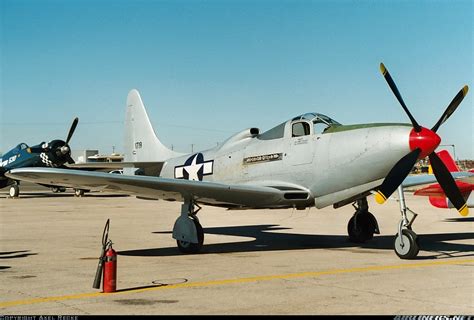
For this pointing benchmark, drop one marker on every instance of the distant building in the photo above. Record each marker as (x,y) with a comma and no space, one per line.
(465,164)
(80,156)
(83,156)
(114,157)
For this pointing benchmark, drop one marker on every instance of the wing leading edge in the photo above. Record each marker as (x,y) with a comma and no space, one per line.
(237,195)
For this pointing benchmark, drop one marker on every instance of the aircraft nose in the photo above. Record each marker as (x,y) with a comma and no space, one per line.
(426,140)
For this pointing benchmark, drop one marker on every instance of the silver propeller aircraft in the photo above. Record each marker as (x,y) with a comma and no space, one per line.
(309,160)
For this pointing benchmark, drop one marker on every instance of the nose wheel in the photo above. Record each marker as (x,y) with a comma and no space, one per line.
(406,244)
(406,241)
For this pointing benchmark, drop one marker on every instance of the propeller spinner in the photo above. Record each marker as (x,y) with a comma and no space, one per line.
(423,142)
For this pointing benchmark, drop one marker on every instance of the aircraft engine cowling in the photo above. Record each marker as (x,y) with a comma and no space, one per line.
(56,153)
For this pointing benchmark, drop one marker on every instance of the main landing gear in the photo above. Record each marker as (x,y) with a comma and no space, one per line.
(406,242)
(79,192)
(14,190)
(187,230)
(56,189)
(362,225)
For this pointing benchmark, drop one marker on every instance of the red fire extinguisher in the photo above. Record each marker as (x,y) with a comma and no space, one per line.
(110,270)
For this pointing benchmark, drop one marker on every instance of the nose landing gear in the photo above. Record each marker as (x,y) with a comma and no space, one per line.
(406,242)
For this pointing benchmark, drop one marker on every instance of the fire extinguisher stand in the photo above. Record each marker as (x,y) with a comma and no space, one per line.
(107,266)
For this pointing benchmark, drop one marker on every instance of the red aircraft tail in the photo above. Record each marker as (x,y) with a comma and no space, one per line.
(436,194)
(448,161)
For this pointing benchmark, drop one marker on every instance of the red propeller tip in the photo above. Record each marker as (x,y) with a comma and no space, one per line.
(426,140)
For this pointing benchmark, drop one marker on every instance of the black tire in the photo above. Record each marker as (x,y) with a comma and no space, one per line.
(410,247)
(188,247)
(14,191)
(78,192)
(364,229)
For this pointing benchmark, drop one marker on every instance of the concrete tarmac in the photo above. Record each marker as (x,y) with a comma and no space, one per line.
(253,261)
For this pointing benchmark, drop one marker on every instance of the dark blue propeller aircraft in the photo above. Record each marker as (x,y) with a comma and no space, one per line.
(52,154)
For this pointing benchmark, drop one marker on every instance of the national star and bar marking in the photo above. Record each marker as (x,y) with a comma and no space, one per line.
(194,168)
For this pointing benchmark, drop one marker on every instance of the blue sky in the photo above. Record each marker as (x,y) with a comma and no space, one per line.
(208,69)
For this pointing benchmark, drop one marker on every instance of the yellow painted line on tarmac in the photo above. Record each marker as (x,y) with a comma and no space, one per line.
(234,281)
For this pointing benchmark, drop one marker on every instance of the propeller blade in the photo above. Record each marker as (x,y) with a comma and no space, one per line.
(448,184)
(396,176)
(451,108)
(71,130)
(397,94)
(70,160)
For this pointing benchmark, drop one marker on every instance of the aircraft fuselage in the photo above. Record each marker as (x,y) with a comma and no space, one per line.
(316,168)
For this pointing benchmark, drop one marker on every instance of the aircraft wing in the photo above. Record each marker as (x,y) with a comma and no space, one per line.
(148,168)
(155,187)
(415,180)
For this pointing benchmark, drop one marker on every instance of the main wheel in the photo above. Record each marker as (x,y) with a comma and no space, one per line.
(14,191)
(189,247)
(361,227)
(78,192)
(409,249)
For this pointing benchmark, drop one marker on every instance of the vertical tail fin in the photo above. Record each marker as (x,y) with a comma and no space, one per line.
(141,142)
(447,160)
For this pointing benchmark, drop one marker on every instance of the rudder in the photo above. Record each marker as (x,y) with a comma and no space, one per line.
(141,143)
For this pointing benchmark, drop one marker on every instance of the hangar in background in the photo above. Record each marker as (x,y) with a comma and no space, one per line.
(85,156)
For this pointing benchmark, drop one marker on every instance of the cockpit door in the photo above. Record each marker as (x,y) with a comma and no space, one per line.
(301,143)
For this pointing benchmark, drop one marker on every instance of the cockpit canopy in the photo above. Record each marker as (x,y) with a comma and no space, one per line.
(305,124)
(15,150)
(21,146)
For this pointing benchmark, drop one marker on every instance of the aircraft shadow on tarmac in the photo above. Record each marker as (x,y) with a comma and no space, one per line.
(267,240)
(468,219)
(36,195)
(14,255)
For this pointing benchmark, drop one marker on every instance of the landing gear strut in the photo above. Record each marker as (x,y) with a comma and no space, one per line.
(406,242)
(362,225)
(187,230)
